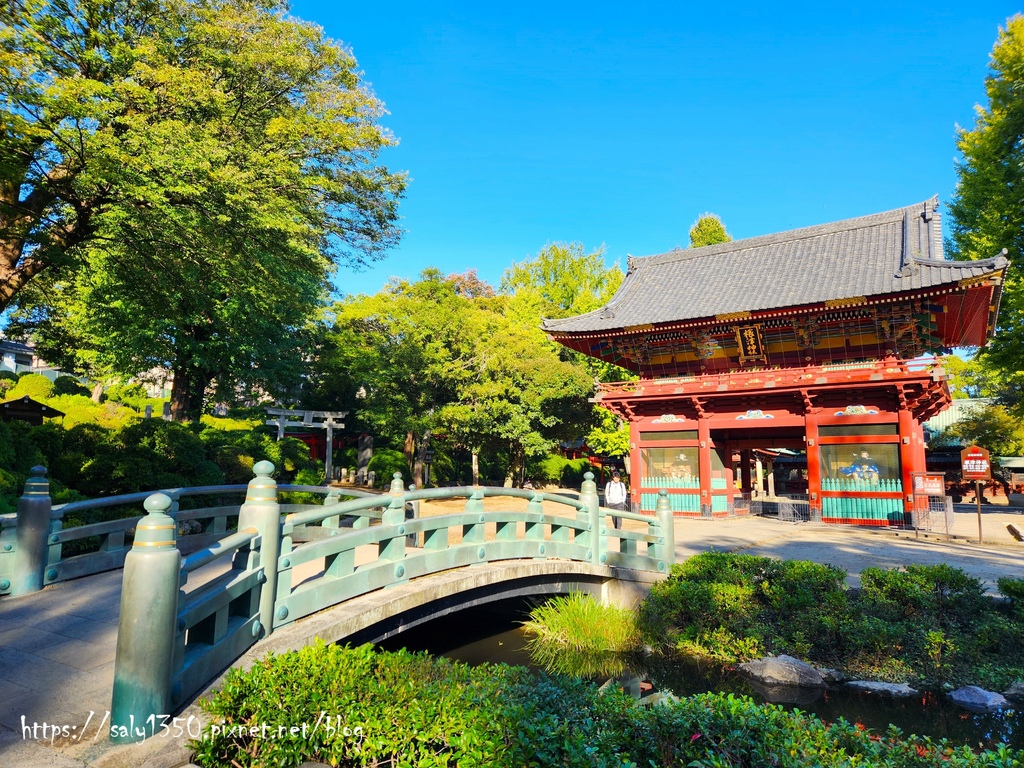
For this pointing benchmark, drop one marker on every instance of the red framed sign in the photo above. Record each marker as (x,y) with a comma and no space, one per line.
(929,483)
(975,463)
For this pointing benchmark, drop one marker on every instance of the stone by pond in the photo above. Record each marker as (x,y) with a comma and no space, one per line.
(895,690)
(783,670)
(978,699)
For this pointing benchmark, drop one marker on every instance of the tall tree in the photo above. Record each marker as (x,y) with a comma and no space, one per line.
(988,205)
(563,280)
(203,165)
(433,356)
(708,230)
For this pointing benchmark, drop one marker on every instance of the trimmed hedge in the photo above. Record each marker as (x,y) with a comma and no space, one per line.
(928,624)
(364,708)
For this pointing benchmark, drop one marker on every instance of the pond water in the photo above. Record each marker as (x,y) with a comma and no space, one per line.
(492,634)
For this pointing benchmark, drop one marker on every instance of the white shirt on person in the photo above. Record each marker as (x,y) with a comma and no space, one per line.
(615,492)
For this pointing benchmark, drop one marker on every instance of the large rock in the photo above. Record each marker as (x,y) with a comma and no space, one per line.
(978,699)
(831,676)
(1015,691)
(896,690)
(783,670)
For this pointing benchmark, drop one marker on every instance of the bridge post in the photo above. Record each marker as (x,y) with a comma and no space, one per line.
(394,514)
(666,530)
(33,535)
(147,629)
(262,511)
(598,537)
(333,497)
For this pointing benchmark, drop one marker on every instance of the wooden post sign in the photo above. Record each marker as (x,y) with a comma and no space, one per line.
(975,465)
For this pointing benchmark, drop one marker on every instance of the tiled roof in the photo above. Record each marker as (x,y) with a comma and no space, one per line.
(891,252)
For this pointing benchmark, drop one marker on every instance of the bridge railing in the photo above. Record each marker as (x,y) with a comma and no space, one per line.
(171,642)
(34,543)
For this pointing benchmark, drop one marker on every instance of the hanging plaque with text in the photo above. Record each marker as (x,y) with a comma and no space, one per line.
(750,343)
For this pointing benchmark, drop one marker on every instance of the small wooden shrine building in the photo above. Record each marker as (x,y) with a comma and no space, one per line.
(810,340)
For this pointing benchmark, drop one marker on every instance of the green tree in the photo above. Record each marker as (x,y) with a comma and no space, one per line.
(562,280)
(993,428)
(987,208)
(433,356)
(180,163)
(708,230)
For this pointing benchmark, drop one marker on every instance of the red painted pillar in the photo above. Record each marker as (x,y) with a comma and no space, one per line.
(635,464)
(813,463)
(911,454)
(704,456)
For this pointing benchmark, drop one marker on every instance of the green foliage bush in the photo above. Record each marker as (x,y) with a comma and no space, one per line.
(924,623)
(411,709)
(69,385)
(384,463)
(35,385)
(1013,589)
(555,469)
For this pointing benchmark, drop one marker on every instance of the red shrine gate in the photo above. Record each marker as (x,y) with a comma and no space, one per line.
(810,340)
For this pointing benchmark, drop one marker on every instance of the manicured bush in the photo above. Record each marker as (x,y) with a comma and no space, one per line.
(927,624)
(362,708)
(69,385)
(35,385)
(1013,589)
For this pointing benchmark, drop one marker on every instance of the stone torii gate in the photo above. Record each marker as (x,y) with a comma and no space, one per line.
(329,420)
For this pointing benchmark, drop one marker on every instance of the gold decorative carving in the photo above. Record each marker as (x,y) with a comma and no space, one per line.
(730,316)
(849,301)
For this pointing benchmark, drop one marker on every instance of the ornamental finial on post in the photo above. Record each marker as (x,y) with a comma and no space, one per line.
(263,487)
(157,529)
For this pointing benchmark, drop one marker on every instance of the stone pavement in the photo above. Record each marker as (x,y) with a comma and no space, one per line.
(57,646)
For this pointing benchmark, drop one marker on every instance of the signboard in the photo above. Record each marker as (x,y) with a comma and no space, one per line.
(929,484)
(750,343)
(975,463)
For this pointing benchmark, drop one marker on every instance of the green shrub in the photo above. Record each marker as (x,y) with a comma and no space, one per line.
(1013,589)
(35,385)
(362,708)
(69,385)
(133,395)
(384,463)
(928,624)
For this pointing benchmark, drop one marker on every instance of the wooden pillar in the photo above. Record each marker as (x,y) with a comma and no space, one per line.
(813,463)
(909,461)
(635,465)
(745,470)
(704,456)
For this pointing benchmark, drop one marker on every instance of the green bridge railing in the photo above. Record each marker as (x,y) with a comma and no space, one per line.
(285,562)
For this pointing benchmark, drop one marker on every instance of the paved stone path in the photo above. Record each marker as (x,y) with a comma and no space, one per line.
(57,646)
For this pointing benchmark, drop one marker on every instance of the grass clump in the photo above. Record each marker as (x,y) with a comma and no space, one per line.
(576,635)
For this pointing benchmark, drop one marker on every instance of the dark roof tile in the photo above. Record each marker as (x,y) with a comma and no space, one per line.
(883,253)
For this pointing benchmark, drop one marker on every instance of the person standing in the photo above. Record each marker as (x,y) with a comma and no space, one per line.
(615,496)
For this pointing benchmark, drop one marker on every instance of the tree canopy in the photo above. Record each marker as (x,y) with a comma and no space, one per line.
(708,230)
(988,206)
(435,360)
(178,179)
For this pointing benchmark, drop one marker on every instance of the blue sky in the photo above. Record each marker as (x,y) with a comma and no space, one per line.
(618,124)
